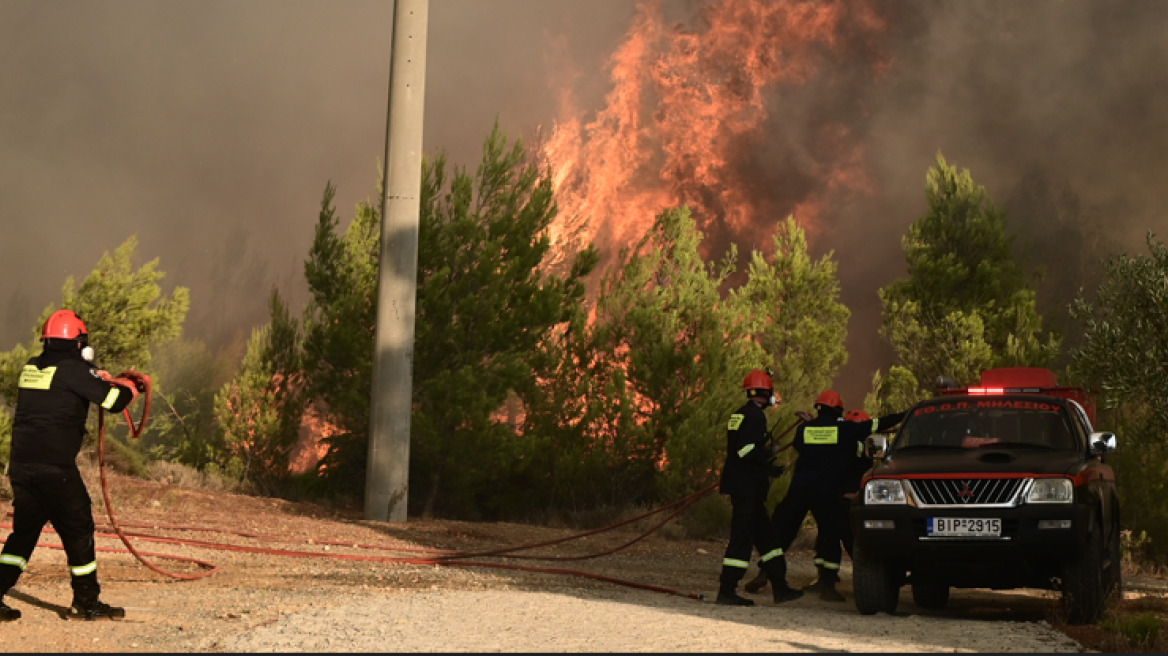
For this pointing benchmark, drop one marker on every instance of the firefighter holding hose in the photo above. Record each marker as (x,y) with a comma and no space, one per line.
(828,446)
(56,389)
(746,478)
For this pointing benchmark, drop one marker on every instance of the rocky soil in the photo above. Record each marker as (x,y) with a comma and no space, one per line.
(305,579)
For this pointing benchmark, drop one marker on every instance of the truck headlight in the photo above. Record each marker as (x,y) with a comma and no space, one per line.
(1051,490)
(885,491)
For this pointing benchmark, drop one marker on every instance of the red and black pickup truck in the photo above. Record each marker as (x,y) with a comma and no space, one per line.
(1002,485)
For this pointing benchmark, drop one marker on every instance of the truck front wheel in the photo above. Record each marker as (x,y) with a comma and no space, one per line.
(876,584)
(1113,572)
(1083,592)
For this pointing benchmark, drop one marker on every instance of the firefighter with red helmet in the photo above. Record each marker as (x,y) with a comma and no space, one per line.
(746,478)
(827,445)
(855,468)
(56,389)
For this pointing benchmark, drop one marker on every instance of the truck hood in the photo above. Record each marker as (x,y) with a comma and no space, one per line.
(979,461)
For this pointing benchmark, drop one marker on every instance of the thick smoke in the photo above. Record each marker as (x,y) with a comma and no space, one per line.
(210,129)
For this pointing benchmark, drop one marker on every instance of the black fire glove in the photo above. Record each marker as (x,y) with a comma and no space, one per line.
(775,470)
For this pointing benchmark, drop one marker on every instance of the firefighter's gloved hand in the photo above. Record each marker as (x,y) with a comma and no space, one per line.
(128,384)
(803,415)
(775,470)
(104,375)
(139,379)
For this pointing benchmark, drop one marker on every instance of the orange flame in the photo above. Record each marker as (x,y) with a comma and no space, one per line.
(691,119)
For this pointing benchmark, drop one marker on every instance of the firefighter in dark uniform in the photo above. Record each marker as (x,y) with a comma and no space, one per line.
(855,468)
(55,390)
(746,478)
(827,446)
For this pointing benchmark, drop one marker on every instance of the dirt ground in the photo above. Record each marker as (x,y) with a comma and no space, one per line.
(300,578)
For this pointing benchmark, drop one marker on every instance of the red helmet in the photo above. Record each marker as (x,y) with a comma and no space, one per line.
(64,324)
(830,399)
(857,415)
(758,379)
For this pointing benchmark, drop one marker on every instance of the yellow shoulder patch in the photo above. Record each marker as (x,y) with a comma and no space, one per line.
(38,379)
(735,422)
(820,435)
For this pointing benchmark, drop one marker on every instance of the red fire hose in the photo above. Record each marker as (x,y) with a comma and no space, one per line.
(440,557)
(142,382)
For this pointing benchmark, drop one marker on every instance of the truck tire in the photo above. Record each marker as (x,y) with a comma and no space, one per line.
(1113,568)
(931,595)
(1083,589)
(875,584)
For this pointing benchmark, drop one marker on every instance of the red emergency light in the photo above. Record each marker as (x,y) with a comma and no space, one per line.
(987,390)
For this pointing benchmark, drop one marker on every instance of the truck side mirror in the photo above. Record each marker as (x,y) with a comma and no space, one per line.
(1102,443)
(875,446)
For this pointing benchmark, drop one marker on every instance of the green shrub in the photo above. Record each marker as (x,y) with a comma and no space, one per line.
(1142,632)
(708,518)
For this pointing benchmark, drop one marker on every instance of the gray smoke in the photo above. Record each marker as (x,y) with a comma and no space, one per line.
(210,129)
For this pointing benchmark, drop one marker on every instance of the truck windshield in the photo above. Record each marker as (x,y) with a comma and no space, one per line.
(987,424)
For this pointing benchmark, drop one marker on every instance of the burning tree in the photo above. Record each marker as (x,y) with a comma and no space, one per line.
(635,402)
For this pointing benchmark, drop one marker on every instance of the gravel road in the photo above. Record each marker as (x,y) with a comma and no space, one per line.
(620,621)
(346,590)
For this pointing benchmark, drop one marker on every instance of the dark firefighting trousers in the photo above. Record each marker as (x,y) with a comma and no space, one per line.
(51,493)
(751,529)
(830,514)
(845,535)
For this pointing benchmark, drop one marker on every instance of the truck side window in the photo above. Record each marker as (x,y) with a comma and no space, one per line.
(1082,428)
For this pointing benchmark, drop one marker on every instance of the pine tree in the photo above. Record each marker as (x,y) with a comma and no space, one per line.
(799,320)
(258,413)
(483,304)
(125,312)
(338,336)
(966,305)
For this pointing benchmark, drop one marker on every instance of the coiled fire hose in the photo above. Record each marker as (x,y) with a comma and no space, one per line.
(142,382)
(440,557)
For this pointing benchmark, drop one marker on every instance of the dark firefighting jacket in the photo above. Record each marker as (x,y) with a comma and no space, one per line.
(55,390)
(748,454)
(828,447)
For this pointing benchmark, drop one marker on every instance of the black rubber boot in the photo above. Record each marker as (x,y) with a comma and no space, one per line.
(732,598)
(8,613)
(91,610)
(827,592)
(824,578)
(728,587)
(758,583)
(776,573)
(785,593)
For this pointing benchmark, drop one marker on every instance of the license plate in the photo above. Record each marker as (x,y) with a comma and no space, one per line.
(965,526)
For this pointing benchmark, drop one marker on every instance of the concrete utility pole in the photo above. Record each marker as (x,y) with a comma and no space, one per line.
(388,472)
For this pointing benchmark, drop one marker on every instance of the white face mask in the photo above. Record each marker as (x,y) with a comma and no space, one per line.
(87,353)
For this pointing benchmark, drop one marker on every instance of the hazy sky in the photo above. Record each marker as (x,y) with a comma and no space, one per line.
(209,129)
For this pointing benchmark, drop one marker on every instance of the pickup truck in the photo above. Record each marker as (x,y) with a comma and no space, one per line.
(1002,485)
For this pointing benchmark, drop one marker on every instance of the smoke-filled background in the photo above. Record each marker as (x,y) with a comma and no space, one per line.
(210,128)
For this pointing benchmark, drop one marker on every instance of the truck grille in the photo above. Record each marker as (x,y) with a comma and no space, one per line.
(964,492)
